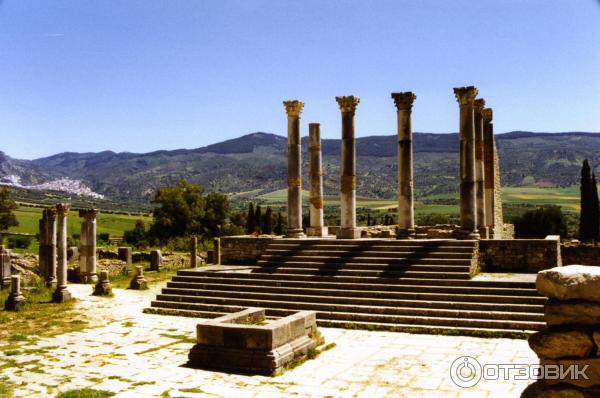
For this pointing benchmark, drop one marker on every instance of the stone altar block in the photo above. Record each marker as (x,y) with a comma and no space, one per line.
(245,342)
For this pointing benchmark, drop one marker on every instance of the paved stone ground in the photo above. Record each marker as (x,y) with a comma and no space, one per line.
(142,355)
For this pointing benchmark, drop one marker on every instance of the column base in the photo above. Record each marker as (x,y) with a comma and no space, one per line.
(402,233)
(319,232)
(138,283)
(102,289)
(14,303)
(464,234)
(5,282)
(89,278)
(349,233)
(51,283)
(295,234)
(484,232)
(61,294)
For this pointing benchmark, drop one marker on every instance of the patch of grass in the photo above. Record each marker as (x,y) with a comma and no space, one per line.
(17,337)
(192,390)
(86,393)
(181,337)
(128,324)
(152,277)
(6,389)
(95,379)
(142,383)
(11,353)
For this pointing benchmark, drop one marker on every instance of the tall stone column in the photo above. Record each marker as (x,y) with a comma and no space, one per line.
(61,294)
(194,252)
(47,249)
(87,247)
(348,228)
(316,182)
(468,207)
(294,109)
(406,210)
(493,198)
(479,104)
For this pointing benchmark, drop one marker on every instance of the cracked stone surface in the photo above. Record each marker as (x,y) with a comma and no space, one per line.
(142,355)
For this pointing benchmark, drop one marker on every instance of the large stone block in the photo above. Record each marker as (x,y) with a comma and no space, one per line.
(589,367)
(570,282)
(558,344)
(576,312)
(597,341)
(540,389)
(245,342)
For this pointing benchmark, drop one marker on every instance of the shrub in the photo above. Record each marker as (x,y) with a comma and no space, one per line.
(19,242)
(541,222)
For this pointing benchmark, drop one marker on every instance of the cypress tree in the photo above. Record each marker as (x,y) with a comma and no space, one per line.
(250,224)
(595,205)
(586,216)
(268,222)
(258,219)
(279,225)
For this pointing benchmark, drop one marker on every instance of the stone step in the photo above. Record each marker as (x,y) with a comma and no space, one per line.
(363,260)
(314,269)
(311,303)
(317,252)
(458,319)
(193,275)
(364,266)
(422,301)
(393,292)
(375,243)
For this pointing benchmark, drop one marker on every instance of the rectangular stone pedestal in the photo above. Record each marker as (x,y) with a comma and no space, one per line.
(349,233)
(320,232)
(244,342)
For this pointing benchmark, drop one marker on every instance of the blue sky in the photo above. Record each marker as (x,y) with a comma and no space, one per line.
(145,75)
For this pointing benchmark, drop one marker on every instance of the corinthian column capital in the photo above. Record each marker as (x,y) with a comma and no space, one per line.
(488,115)
(466,95)
(293,107)
(404,101)
(62,209)
(478,105)
(347,103)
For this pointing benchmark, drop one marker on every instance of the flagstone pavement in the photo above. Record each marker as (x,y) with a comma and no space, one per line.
(141,355)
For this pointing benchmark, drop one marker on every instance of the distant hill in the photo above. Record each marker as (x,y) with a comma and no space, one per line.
(257,162)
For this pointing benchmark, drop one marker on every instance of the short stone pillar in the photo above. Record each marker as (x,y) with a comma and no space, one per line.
(47,249)
(479,104)
(138,282)
(125,254)
(156,260)
(61,294)
(87,246)
(5,267)
(572,338)
(468,207)
(15,300)
(216,257)
(103,287)
(406,209)
(294,109)
(317,227)
(194,252)
(348,228)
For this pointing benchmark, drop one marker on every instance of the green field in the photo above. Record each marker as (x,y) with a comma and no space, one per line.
(113,224)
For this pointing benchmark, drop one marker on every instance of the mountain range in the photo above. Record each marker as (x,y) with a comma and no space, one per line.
(257,163)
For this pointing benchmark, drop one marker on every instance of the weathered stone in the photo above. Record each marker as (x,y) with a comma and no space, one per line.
(5,269)
(540,389)
(348,229)
(156,260)
(556,344)
(589,368)
(406,210)
(87,246)
(572,313)
(597,341)
(479,104)
(103,287)
(570,283)
(15,300)
(468,195)
(240,342)
(194,252)
(316,228)
(241,249)
(47,249)
(125,254)
(138,282)
(293,109)
(61,294)
(519,255)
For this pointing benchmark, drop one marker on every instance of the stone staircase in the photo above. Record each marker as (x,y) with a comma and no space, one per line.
(413,286)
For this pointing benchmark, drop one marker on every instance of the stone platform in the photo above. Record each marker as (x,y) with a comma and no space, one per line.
(246,342)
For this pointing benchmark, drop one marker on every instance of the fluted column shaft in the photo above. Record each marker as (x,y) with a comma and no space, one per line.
(406,212)
(348,228)
(47,249)
(479,104)
(87,247)
(61,293)
(317,227)
(468,207)
(293,109)
(488,161)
